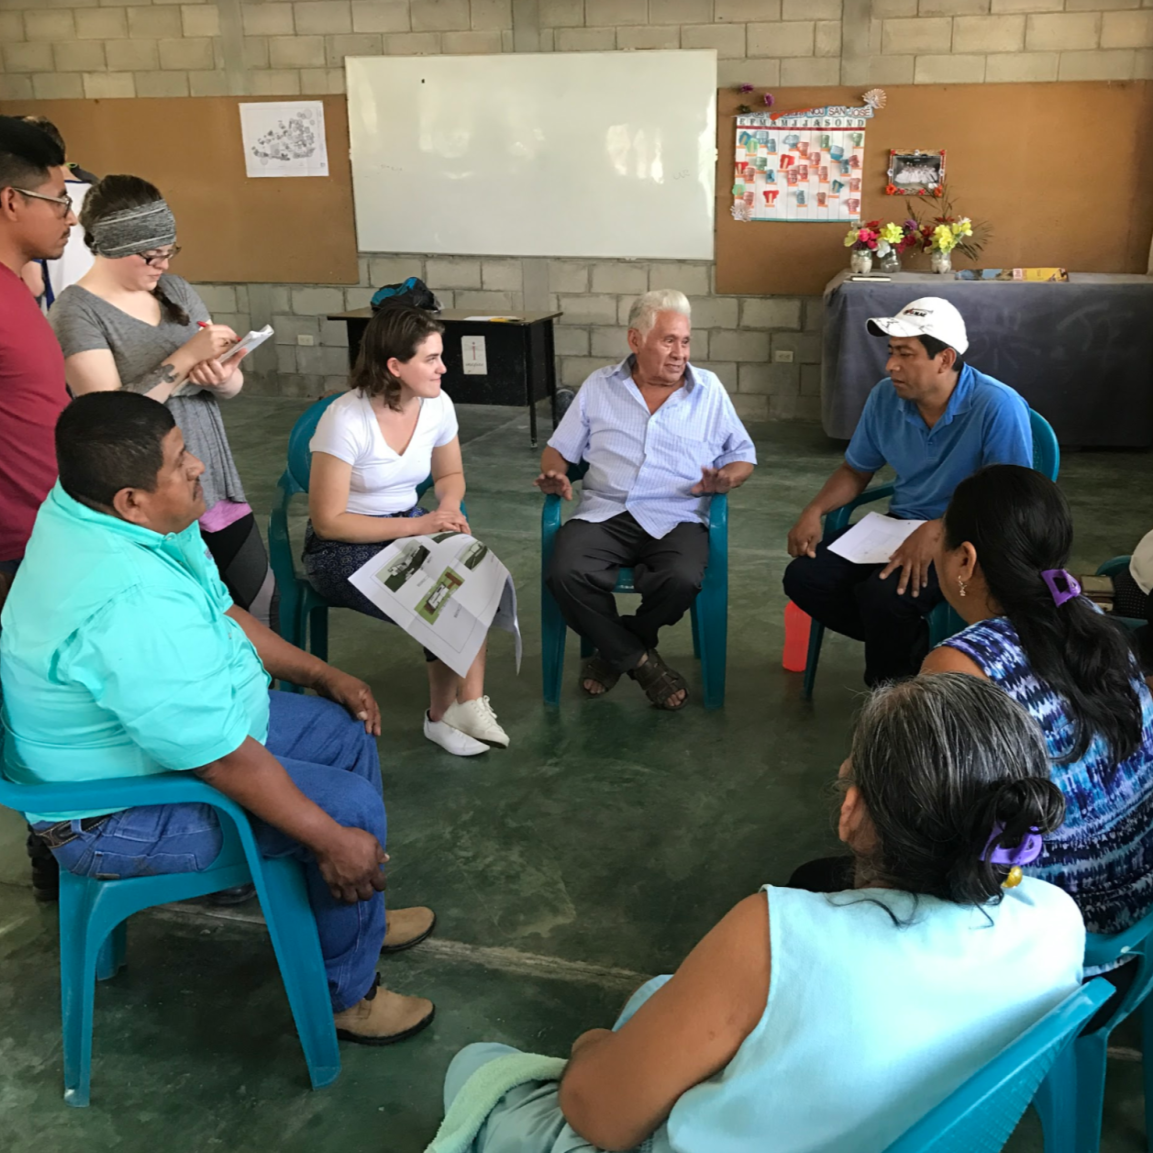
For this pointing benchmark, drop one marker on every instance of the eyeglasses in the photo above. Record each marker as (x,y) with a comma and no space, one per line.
(66,201)
(154,258)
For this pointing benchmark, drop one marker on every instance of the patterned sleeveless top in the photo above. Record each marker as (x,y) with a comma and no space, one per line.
(1103,854)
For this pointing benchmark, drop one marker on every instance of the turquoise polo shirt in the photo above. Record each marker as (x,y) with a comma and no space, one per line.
(985,422)
(116,657)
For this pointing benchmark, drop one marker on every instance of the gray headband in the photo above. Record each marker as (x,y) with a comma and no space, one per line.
(132,231)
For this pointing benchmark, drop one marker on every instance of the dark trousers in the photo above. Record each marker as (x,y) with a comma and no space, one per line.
(667,573)
(851,599)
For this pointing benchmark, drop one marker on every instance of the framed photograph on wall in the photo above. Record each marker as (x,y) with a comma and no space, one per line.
(915,173)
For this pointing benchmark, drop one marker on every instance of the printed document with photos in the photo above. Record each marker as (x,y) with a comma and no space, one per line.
(445,591)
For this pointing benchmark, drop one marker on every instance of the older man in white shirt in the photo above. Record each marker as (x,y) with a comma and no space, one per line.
(659,437)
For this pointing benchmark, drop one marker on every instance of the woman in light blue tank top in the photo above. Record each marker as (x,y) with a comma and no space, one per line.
(830,1023)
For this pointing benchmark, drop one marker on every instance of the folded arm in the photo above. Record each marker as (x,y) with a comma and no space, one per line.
(618,1087)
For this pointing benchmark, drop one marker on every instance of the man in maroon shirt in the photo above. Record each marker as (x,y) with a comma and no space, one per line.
(35,220)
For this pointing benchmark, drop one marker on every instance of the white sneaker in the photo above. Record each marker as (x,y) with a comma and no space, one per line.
(478,720)
(451,739)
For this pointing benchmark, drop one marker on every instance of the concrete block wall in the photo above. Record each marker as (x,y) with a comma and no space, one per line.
(736,337)
(58,49)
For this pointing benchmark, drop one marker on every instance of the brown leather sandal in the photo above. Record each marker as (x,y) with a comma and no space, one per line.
(660,682)
(596,668)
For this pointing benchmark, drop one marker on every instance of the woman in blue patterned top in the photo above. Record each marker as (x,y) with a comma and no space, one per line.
(1008,533)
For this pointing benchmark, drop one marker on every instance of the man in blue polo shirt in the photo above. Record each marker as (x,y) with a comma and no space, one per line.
(122,655)
(935,420)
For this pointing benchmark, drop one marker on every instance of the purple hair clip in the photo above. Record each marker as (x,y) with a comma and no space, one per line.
(1063,585)
(1025,853)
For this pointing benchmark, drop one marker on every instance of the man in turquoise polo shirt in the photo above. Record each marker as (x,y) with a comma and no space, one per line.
(935,420)
(122,654)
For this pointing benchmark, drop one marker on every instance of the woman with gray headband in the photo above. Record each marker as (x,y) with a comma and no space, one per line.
(129,323)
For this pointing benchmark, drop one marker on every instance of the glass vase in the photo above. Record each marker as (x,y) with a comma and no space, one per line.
(941,262)
(860,262)
(891,261)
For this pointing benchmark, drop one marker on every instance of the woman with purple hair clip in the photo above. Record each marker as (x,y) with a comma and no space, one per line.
(1008,534)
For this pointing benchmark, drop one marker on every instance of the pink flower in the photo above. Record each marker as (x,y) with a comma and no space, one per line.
(745,88)
(768,100)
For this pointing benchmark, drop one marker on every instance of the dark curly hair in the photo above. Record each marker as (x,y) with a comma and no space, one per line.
(393,332)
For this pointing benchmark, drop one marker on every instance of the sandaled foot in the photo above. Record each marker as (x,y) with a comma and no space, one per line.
(597,676)
(407,927)
(384,1017)
(665,687)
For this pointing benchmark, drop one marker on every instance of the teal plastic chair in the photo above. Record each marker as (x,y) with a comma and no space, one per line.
(303,611)
(943,621)
(710,610)
(94,914)
(1110,568)
(1072,1099)
(981,1115)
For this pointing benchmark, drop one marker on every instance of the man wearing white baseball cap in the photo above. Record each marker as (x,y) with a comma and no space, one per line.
(935,420)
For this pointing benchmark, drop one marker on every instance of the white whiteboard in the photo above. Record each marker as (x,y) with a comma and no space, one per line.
(608,154)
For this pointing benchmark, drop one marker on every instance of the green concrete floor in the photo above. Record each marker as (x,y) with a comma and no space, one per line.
(595,851)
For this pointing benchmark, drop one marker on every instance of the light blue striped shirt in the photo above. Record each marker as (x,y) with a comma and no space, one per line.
(647,464)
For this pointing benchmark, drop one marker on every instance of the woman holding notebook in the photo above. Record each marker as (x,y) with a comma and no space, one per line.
(129,323)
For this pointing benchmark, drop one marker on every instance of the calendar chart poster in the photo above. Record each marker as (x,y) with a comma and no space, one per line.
(802,167)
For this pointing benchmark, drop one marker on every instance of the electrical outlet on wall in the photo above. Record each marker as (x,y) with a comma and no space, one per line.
(781,356)
(307,340)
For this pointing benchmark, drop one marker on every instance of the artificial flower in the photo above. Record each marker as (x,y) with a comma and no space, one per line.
(768,100)
(745,88)
(939,191)
(890,190)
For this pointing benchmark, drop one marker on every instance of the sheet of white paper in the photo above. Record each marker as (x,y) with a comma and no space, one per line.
(474,355)
(446,591)
(284,138)
(501,317)
(874,539)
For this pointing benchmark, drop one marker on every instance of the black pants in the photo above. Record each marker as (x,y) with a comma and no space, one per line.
(667,573)
(244,569)
(851,599)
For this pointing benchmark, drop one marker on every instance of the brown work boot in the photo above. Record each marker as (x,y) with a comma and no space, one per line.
(407,927)
(383,1017)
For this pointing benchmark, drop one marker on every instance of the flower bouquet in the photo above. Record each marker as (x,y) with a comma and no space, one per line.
(884,241)
(940,235)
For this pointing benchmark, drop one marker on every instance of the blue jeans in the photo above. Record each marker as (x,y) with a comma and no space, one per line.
(334,763)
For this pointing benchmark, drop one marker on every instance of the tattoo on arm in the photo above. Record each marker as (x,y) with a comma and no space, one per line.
(161,374)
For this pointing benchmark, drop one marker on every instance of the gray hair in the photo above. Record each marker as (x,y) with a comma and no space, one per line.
(643,314)
(942,761)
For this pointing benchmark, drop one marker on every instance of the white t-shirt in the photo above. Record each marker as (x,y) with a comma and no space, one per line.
(77,258)
(383,481)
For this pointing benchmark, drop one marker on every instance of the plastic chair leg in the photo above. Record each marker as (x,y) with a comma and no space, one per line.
(1091,1053)
(695,618)
(712,632)
(1056,1104)
(78,953)
(318,632)
(816,636)
(587,649)
(284,901)
(552,630)
(111,958)
(1147,1050)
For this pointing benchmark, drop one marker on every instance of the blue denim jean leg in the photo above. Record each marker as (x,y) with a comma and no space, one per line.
(334,762)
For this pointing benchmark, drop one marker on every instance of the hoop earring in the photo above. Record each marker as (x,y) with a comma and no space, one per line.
(961,587)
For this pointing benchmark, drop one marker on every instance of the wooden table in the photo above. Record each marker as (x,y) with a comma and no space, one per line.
(518,361)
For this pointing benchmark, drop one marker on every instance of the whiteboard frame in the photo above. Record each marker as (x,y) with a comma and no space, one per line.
(444,163)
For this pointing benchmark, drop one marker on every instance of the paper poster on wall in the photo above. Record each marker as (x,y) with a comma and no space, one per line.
(803,166)
(284,138)
(474,355)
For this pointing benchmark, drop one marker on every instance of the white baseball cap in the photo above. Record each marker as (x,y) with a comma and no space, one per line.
(929,316)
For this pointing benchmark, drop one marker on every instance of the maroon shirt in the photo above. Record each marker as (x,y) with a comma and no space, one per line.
(32,396)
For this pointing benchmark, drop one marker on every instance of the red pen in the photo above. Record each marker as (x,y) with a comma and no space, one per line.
(202,324)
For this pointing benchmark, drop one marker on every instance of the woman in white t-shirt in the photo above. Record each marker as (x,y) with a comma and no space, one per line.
(370,451)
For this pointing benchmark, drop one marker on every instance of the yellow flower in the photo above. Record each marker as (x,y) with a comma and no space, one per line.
(850,237)
(891,232)
(944,239)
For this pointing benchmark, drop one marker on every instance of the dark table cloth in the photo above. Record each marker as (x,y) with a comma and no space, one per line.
(1080,353)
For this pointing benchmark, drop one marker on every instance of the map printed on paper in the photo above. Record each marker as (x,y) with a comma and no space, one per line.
(801,166)
(284,138)
(446,591)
